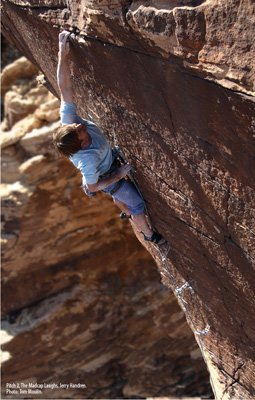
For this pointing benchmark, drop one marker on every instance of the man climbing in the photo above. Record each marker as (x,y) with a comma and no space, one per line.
(84,144)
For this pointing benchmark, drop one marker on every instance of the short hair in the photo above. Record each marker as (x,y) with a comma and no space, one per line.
(66,141)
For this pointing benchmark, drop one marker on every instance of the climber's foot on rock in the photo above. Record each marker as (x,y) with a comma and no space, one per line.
(155,238)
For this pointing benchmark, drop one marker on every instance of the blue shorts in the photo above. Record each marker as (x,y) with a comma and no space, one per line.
(128,195)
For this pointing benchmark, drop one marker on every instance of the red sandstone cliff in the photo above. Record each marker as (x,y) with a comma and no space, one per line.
(174,83)
(82,300)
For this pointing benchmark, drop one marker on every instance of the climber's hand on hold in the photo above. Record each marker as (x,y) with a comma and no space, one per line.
(64,46)
(123,171)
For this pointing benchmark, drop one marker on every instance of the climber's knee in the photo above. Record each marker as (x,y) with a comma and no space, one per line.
(129,196)
(122,206)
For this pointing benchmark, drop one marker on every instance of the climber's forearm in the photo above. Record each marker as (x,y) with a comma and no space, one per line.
(120,173)
(64,77)
(103,183)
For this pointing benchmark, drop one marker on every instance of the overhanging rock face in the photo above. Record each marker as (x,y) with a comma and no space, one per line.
(82,300)
(173,84)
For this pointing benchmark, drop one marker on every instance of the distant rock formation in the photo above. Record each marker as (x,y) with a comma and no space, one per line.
(81,298)
(174,83)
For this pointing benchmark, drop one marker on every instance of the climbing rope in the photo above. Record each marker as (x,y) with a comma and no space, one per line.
(180,290)
(166,266)
(179,293)
(177,290)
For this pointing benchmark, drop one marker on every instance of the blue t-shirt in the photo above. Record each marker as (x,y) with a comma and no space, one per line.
(97,158)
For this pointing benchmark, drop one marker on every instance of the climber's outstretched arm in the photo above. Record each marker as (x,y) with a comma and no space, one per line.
(63,70)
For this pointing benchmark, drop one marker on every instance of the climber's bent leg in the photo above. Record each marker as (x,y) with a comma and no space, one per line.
(125,210)
(129,195)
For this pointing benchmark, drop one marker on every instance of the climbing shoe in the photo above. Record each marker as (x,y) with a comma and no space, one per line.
(123,215)
(155,238)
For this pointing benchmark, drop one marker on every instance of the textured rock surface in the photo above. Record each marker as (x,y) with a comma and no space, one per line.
(82,301)
(9,53)
(174,82)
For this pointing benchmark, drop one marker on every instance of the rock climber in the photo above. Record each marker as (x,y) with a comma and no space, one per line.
(84,144)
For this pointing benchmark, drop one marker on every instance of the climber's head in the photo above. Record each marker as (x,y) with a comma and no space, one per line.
(68,139)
